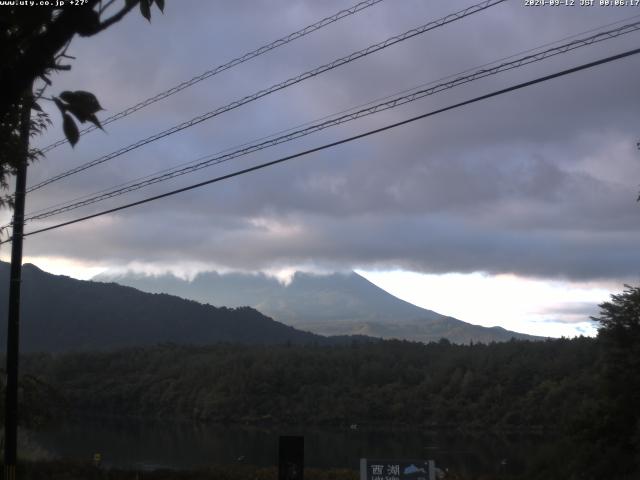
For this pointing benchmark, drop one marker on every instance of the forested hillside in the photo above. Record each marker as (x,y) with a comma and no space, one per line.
(514,385)
(562,389)
(62,314)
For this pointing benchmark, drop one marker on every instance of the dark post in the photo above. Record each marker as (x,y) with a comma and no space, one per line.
(13,327)
(291,458)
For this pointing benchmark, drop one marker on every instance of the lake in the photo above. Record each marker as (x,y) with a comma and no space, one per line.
(147,445)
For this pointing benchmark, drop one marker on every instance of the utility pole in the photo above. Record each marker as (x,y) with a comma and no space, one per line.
(13,327)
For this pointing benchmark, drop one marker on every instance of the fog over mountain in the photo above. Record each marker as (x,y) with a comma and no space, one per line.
(336,304)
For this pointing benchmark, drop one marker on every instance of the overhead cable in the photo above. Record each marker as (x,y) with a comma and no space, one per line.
(370,110)
(226,66)
(340,142)
(279,86)
(333,115)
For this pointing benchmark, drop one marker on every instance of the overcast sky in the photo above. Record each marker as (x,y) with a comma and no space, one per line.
(533,188)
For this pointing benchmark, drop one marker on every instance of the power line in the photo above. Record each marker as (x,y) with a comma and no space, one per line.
(325,117)
(205,162)
(340,142)
(279,86)
(220,68)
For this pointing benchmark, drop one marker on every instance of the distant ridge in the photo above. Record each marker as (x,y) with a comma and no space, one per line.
(63,314)
(336,304)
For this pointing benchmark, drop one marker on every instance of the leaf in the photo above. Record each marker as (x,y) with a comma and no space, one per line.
(61,106)
(70,129)
(87,100)
(145,9)
(93,119)
(82,104)
(90,24)
(160,4)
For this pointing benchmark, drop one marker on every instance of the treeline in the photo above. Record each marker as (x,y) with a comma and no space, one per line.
(581,393)
(515,385)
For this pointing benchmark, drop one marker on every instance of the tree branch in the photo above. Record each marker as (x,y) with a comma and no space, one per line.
(118,16)
(35,59)
(107,5)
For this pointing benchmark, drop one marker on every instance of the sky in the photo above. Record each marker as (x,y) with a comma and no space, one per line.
(518,211)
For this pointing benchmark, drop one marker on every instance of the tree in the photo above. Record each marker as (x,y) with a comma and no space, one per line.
(33,45)
(619,337)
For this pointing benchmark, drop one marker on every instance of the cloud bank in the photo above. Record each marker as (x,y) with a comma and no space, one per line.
(540,182)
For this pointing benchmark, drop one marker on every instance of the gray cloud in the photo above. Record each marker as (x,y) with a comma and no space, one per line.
(540,182)
(572,312)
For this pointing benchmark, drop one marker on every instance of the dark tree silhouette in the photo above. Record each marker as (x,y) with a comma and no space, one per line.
(33,45)
(619,337)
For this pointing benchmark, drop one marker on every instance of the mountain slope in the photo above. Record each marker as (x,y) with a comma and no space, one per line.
(60,314)
(337,304)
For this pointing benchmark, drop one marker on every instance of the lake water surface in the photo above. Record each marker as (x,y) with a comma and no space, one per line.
(145,445)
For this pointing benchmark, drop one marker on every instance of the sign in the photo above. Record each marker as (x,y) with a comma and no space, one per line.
(291,458)
(382,469)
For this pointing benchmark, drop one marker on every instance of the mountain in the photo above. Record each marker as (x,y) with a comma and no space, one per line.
(59,313)
(336,304)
